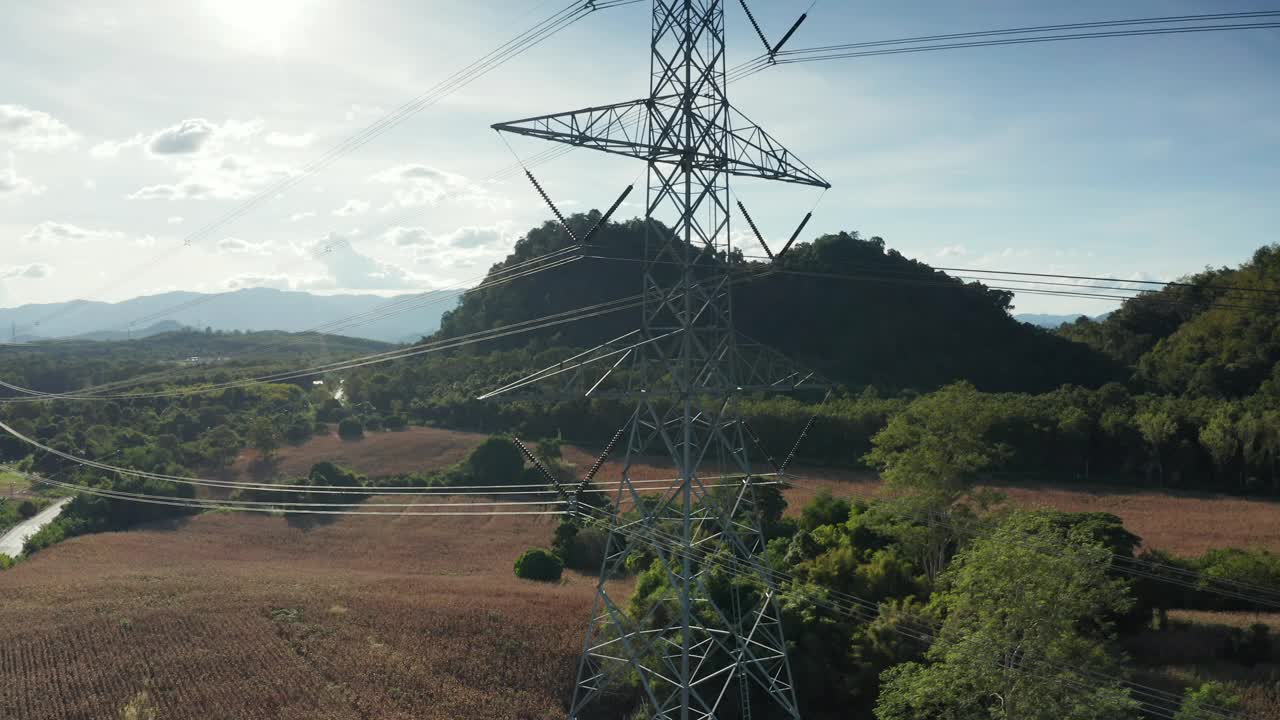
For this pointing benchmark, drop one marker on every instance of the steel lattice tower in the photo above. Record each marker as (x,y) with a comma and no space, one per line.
(708,646)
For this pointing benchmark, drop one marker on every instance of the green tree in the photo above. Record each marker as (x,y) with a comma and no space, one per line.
(1076,427)
(350,429)
(933,451)
(1207,701)
(1024,635)
(1158,429)
(264,436)
(1221,440)
(222,444)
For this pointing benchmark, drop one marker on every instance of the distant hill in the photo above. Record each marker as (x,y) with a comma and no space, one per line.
(118,335)
(1053,321)
(252,309)
(887,320)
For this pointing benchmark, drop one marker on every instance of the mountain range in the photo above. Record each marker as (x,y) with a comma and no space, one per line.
(402,318)
(1053,321)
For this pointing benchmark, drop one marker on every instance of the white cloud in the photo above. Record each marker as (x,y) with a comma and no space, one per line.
(112,148)
(301,216)
(192,136)
(252,280)
(185,190)
(416,185)
(352,208)
(55,233)
(225,177)
(472,238)
(34,271)
(175,220)
(349,269)
(188,136)
(467,238)
(409,237)
(952,251)
(33,130)
(243,247)
(13,184)
(279,139)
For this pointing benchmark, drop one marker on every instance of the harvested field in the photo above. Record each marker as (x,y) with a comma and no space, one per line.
(1182,523)
(240,617)
(1235,619)
(378,454)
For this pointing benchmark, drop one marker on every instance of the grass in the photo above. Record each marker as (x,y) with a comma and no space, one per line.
(13,484)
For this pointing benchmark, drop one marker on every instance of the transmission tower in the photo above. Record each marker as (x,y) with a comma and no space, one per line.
(712,644)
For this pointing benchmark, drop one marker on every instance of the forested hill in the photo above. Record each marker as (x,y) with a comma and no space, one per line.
(886,320)
(1215,334)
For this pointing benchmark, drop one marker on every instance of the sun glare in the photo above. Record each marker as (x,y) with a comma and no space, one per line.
(259,25)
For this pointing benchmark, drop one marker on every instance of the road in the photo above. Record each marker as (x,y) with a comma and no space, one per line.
(11,543)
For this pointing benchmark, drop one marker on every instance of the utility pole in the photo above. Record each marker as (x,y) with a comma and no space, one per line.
(694,652)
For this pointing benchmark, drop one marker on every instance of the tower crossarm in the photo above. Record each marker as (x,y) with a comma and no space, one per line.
(749,151)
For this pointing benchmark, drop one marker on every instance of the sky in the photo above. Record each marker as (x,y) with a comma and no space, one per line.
(128,125)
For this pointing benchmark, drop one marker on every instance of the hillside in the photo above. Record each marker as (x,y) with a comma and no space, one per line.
(887,321)
(252,309)
(1216,334)
(73,364)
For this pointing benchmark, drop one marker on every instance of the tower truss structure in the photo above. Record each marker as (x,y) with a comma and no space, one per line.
(709,643)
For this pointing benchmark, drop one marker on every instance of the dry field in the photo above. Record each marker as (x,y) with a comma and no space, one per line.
(379,453)
(243,617)
(246,617)
(1182,523)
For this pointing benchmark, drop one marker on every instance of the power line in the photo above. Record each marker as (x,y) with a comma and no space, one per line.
(413,351)
(987,38)
(907,278)
(521,43)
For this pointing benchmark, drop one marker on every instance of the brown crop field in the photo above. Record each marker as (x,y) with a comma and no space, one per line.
(241,617)
(377,454)
(1183,523)
(251,616)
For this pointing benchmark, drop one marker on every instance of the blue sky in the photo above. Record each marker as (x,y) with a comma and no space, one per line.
(126,124)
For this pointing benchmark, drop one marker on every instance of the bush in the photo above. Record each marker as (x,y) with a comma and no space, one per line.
(373,422)
(396,423)
(539,564)
(6,562)
(496,461)
(350,429)
(27,509)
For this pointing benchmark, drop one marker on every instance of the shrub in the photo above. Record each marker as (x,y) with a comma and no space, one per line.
(1211,697)
(6,562)
(396,422)
(496,461)
(539,564)
(27,509)
(350,429)
(580,548)
(373,422)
